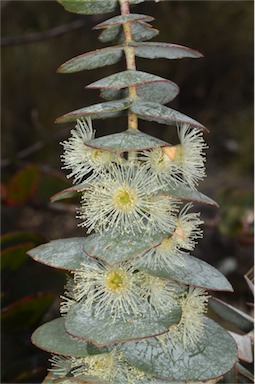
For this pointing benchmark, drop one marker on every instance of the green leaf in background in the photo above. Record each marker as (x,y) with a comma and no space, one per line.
(164,50)
(102,330)
(96,111)
(13,257)
(193,271)
(26,312)
(15,238)
(215,355)
(22,185)
(232,315)
(92,60)
(49,184)
(150,111)
(15,246)
(129,140)
(52,337)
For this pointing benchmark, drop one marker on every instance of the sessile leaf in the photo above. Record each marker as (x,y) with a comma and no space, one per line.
(92,7)
(150,111)
(96,111)
(102,330)
(52,337)
(215,355)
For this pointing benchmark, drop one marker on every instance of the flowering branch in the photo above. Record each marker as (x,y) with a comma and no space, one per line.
(135,302)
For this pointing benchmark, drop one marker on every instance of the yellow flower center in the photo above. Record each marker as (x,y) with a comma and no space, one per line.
(117,280)
(101,157)
(125,199)
(166,244)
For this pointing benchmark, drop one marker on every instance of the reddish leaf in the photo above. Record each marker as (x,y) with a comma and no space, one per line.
(22,185)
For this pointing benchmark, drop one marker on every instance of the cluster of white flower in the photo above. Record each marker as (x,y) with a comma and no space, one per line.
(128,196)
(108,367)
(119,291)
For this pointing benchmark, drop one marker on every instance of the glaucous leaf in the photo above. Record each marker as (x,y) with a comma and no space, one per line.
(150,111)
(129,140)
(52,337)
(93,59)
(89,7)
(102,330)
(233,315)
(160,91)
(115,248)
(69,193)
(156,50)
(127,78)
(184,192)
(215,355)
(121,19)
(140,30)
(96,111)
(92,7)
(193,271)
(65,254)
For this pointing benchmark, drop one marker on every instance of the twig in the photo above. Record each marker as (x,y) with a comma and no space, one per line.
(39,36)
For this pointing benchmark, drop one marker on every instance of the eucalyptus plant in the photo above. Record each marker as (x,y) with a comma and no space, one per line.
(135,301)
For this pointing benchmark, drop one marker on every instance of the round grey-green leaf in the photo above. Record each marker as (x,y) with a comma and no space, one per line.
(140,30)
(151,111)
(115,248)
(96,111)
(52,337)
(66,254)
(160,91)
(129,140)
(154,50)
(103,330)
(193,271)
(92,60)
(121,19)
(215,355)
(89,7)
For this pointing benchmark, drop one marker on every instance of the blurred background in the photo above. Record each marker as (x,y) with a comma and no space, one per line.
(217,90)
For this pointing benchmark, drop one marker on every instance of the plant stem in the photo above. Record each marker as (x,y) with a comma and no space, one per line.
(130,60)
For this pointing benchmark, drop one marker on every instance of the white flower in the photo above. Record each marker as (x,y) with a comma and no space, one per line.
(126,200)
(69,298)
(61,365)
(160,164)
(190,329)
(114,290)
(187,229)
(189,156)
(109,367)
(160,293)
(169,251)
(79,157)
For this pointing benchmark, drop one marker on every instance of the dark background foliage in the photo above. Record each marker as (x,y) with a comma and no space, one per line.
(216,90)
